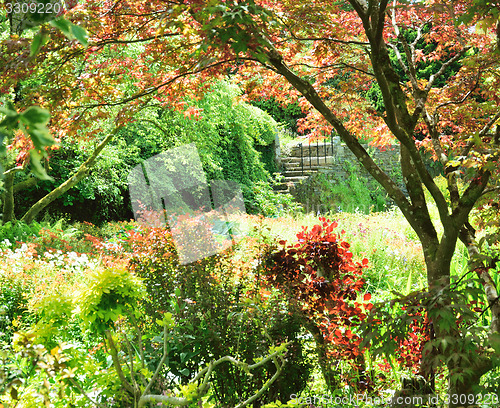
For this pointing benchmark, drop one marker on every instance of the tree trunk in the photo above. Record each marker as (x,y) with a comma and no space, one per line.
(329,375)
(71,182)
(8,198)
(476,264)
(438,269)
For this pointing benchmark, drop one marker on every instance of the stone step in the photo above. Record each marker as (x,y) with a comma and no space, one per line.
(294,179)
(313,160)
(315,150)
(298,172)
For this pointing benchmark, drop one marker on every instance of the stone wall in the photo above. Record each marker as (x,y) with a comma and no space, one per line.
(343,160)
(341,183)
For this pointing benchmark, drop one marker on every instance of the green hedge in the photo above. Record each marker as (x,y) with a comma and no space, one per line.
(235,141)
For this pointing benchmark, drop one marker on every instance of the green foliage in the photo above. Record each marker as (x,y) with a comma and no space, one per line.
(33,122)
(285,114)
(216,310)
(99,197)
(229,136)
(424,68)
(226,22)
(226,135)
(18,231)
(13,300)
(70,30)
(329,192)
(216,316)
(455,340)
(109,294)
(35,376)
(271,203)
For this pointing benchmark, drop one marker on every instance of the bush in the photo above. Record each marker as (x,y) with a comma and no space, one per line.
(271,203)
(322,284)
(218,314)
(228,133)
(286,114)
(328,192)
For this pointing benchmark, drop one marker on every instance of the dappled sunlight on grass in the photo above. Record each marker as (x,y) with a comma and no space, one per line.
(385,239)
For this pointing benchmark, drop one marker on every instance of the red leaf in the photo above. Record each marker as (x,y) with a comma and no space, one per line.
(367,297)
(364,262)
(316,229)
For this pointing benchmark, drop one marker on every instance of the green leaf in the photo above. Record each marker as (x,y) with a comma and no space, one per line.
(35,116)
(3,136)
(11,119)
(184,371)
(36,166)
(38,41)
(41,137)
(63,25)
(80,34)
(239,46)
(70,30)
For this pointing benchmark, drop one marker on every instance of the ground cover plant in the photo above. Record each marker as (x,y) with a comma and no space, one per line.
(421,75)
(236,304)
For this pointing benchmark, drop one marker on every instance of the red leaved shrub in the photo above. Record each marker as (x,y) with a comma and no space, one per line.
(321,279)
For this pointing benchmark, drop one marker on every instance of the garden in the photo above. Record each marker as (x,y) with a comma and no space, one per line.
(149,255)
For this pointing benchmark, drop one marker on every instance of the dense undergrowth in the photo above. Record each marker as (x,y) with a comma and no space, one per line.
(88,313)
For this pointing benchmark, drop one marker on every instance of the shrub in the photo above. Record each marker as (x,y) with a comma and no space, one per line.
(286,114)
(12,232)
(271,203)
(328,192)
(217,315)
(108,294)
(322,283)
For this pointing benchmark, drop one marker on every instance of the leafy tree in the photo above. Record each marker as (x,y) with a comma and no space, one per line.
(299,48)
(286,113)
(226,130)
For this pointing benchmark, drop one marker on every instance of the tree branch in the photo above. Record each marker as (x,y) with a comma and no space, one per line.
(82,392)
(481,133)
(328,39)
(160,365)
(469,197)
(491,190)
(206,372)
(116,362)
(155,88)
(308,91)
(139,40)
(71,182)
(23,185)
(444,67)
(13,170)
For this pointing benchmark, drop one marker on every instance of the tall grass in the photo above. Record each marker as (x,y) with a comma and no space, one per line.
(386,239)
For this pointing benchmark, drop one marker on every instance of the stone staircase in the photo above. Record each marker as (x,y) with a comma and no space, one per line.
(301,163)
